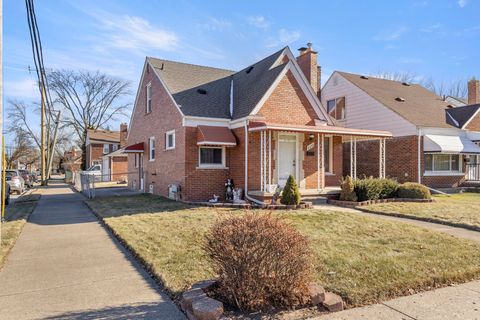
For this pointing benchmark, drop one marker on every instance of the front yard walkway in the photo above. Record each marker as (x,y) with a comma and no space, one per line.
(454,231)
(65,265)
(456,302)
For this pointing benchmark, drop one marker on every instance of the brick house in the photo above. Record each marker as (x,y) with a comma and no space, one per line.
(435,140)
(105,149)
(193,127)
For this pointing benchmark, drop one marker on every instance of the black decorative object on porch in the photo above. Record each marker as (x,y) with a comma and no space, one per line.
(229,187)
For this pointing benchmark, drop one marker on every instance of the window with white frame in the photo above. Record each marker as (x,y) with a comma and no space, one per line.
(106,148)
(440,162)
(148,98)
(328,154)
(151,148)
(336,108)
(211,157)
(170,140)
(115,147)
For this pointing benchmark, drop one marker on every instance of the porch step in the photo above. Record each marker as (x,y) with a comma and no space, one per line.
(315,200)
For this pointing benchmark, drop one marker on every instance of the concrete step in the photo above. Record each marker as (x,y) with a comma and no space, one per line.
(315,200)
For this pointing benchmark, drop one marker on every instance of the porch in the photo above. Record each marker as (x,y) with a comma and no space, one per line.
(312,154)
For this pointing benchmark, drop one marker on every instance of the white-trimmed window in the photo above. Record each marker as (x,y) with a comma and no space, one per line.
(151,148)
(148,98)
(336,108)
(115,147)
(211,157)
(328,154)
(170,140)
(442,163)
(106,148)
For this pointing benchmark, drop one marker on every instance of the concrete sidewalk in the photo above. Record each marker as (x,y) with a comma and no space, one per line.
(66,266)
(460,302)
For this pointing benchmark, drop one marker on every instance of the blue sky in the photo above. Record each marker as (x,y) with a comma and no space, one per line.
(438,39)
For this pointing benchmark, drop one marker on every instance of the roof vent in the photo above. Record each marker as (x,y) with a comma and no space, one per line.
(399,99)
(249,69)
(202,91)
(364,77)
(406,84)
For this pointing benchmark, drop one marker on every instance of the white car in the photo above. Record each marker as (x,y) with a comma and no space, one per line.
(95,170)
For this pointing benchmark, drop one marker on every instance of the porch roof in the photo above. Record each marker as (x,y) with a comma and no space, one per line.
(450,144)
(213,135)
(134,148)
(326,129)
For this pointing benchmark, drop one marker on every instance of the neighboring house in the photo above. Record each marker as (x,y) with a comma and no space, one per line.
(102,142)
(115,166)
(433,140)
(455,101)
(72,160)
(193,127)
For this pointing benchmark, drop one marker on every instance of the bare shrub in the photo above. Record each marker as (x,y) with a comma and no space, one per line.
(261,262)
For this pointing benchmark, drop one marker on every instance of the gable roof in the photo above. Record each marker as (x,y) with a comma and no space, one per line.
(413,102)
(102,136)
(460,116)
(185,81)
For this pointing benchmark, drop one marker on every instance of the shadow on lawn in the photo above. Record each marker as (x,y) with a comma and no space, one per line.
(116,206)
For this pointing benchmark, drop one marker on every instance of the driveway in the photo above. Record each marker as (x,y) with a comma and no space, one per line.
(66,266)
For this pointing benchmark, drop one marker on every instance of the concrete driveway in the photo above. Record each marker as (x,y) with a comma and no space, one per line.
(66,266)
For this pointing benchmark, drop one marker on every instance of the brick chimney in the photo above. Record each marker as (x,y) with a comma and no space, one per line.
(474,91)
(123,134)
(307,60)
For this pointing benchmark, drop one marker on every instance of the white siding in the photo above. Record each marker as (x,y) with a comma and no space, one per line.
(364,112)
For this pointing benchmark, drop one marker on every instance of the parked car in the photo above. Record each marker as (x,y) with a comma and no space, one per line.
(7,194)
(27,177)
(15,180)
(95,170)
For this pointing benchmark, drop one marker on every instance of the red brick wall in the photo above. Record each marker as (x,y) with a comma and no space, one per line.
(119,168)
(310,163)
(169,165)
(333,180)
(443,181)
(474,125)
(288,104)
(96,152)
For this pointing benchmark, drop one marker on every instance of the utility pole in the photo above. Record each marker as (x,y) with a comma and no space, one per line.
(42,137)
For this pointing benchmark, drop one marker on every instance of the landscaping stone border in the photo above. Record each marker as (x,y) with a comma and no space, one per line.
(302,205)
(354,204)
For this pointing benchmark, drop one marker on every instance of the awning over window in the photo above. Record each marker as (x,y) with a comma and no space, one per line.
(449,144)
(217,136)
(135,148)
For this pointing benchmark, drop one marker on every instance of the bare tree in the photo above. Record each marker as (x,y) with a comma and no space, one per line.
(21,150)
(407,76)
(89,100)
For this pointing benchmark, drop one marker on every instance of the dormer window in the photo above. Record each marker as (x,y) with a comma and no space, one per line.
(336,108)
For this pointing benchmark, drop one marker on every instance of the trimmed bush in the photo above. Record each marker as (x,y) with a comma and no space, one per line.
(375,188)
(348,190)
(261,262)
(290,194)
(413,190)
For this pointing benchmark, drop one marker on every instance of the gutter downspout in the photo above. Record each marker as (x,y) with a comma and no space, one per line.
(419,160)
(246,170)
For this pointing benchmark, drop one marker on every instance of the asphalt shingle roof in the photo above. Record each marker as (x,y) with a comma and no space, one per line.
(420,106)
(103,135)
(185,80)
(462,114)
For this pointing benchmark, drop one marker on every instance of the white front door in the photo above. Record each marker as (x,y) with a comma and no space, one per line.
(287,157)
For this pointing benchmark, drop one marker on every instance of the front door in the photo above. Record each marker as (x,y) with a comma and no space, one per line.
(287,157)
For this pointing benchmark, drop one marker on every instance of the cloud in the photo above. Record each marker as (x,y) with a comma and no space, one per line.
(283,37)
(26,88)
(462,3)
(135,33)
(431,28)
(391,35)
(217,24)
(258,21)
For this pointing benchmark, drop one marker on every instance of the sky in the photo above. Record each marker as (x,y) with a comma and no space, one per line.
(430,39)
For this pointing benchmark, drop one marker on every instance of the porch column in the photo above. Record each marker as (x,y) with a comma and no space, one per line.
(261,161)
(353,157)
(265,172)
(269,158)
(381,157)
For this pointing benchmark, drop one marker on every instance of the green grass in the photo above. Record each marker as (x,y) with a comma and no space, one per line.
(460,208)
(16,215)
(365,260)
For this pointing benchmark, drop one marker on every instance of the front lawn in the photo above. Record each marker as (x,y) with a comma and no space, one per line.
(16,215)
(460,209)
(363,259)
